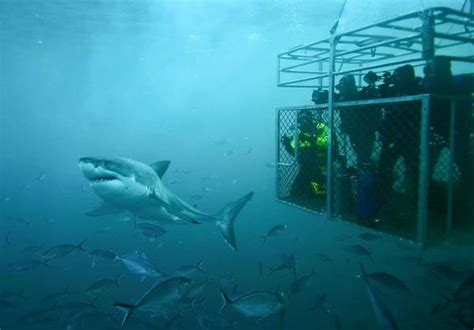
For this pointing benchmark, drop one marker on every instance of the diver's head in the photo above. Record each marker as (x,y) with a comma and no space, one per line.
(404,75)
(305,119)
(347,87)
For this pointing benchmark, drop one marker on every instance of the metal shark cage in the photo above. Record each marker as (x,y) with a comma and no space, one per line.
(393,164)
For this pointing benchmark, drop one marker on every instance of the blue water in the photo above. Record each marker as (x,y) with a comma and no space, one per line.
(193,82)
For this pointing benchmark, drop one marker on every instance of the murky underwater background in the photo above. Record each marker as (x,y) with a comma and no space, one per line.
(193,82)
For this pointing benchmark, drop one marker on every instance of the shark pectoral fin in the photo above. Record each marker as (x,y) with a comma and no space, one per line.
(104,209)
(172,210)
(160,167)
(227,216)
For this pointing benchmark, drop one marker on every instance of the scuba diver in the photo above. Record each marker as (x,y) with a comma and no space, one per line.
(359,123)
(311,155)
(439,80)
(400,131)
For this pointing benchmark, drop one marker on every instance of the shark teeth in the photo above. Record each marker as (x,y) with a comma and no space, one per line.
(103,179)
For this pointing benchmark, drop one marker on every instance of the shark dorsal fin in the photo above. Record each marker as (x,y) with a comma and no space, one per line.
(160,167)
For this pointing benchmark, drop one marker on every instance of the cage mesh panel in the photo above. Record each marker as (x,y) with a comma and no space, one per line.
(302,174)
(376,165)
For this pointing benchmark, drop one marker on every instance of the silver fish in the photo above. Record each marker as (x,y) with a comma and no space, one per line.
(259,304)
(27,265)
(359,250)
(165,291)
(189,270)
(301,283)
(383,314)
(56,297)
(140,265)
(62,250)
(102,285)
(149,230)
(102,256)
(389,281)
(288,263)
(274,231)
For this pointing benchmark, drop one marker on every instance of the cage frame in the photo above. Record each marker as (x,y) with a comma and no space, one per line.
(359,43)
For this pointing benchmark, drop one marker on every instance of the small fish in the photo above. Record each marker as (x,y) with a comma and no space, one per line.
(73,309)
(99,256)
(445,271)
(196,197)
(260,304)
(207,190)
(41,176)
(173,181)
(140,265)
(168,290)
(209,178)
(229,153)
(301,283)
(384,316)
(27,265)
(366,236)
(322,304)
(125,218)
(274,231)
(359,250)
(270,164)
(62,250)
(185,171)
(389,281)
(288,263)
(249,151)
(189,270)
(102,285)
(149,230)
(104,230)
(195,290)
(220,141)
(56,297)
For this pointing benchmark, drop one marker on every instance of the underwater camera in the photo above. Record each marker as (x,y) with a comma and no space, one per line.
(320,96)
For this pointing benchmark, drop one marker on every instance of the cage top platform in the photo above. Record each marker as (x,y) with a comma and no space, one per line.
(410,38)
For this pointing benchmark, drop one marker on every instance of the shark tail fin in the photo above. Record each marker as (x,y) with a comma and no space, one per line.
(226,218)
(127,309)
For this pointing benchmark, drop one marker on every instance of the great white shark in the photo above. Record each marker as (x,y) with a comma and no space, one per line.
(128,185)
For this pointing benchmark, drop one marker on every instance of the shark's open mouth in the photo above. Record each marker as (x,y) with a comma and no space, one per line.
(101,179)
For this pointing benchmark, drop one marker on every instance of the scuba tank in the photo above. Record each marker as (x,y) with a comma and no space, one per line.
(367,203)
